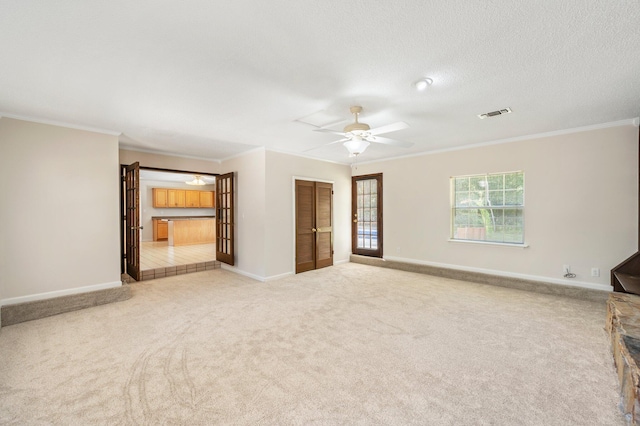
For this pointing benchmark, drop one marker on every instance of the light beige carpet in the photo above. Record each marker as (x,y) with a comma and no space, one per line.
(350,344)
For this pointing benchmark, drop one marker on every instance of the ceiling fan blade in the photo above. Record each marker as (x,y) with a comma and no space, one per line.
(388,141)
(330,143)
(389,128)
(329,131)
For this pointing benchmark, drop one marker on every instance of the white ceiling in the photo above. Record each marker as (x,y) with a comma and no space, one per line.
(214,79)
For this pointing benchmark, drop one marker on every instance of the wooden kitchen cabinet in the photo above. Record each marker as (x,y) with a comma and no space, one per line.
(159,197)
(160,229)
(175,197)
(206,198)
(163,230)
(181,198)
(192,198)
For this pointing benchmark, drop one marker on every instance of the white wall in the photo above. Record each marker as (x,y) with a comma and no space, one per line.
(279,238)
(264,209)
(169,162)
(147,211)
(60,210)
(581,205)
(250,214)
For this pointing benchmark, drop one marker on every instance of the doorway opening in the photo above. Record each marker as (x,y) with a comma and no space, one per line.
(168,224)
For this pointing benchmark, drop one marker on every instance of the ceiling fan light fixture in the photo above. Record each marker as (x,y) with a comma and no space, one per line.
(357,136)
(356,145)
(196,181)
(423,83)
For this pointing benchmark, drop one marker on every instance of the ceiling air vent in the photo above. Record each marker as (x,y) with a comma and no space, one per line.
(494,113)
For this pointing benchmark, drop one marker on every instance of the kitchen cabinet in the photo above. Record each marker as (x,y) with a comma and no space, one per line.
(159,197)
(175,197)
(206,198)
(160,229)
(181,198)
(192,198)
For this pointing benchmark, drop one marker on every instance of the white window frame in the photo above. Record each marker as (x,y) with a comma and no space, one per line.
(472,234)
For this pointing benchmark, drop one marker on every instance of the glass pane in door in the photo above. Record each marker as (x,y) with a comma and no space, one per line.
(367,197)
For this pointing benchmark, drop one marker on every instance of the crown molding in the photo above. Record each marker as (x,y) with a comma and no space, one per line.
(125,147)
(628,122)
(60,124)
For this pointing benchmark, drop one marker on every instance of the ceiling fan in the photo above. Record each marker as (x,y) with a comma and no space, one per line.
(357,136)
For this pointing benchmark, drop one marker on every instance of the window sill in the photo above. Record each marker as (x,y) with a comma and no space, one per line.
(490,243)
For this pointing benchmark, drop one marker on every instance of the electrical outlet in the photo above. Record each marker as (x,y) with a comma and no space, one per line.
(595,272)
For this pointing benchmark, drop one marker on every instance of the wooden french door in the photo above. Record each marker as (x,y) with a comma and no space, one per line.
(224,219)
(314,225)
(366,209)
(132,220)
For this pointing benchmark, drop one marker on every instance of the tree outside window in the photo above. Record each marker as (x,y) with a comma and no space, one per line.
(488,207)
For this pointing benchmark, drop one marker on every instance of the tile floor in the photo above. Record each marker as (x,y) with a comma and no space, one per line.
(159,254)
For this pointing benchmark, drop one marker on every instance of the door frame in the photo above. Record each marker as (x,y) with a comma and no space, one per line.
(293,213)
(354,238)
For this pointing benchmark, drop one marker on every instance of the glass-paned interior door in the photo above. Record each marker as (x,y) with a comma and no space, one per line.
(132,220)
(367,215)
(225,231)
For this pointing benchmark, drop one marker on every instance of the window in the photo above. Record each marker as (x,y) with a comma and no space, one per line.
(488,208)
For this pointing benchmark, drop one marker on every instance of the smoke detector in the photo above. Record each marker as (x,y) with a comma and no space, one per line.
(494,113)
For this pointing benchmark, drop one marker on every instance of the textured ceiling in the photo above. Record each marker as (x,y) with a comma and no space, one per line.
(214,79)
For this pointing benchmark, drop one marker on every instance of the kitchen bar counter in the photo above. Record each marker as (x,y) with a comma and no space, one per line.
(161,225)
(185,231)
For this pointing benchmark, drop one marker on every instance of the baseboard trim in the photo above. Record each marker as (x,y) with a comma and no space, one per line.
(593,292)
(58,293)
(277,277)
(36,309)
(253,276)
(244,273)
(272,277)
(547,280)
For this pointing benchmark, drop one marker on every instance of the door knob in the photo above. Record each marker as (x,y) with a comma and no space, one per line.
(137,227)
(314,229)
(318,229)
